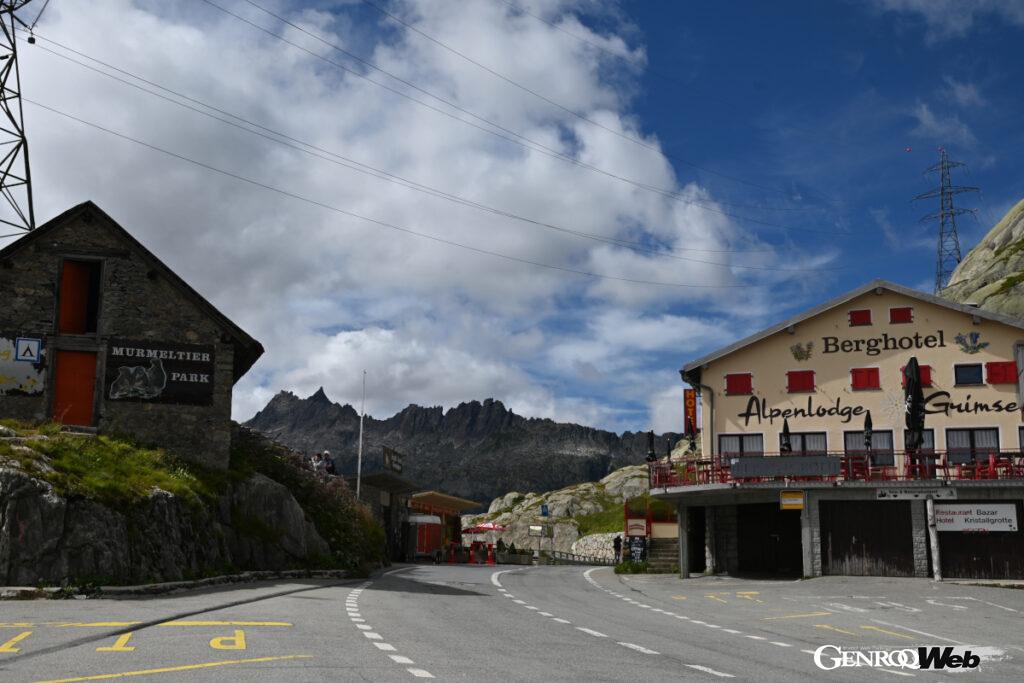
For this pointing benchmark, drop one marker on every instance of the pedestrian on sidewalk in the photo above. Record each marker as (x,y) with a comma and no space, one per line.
(617,544)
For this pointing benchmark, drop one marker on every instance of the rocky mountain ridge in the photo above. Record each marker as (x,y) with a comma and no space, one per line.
(991,276)
(478,450)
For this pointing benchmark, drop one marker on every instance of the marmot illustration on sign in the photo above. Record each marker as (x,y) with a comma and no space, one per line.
(139,382)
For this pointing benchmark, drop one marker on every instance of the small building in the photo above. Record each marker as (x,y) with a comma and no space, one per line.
(386,493)
(97,333)
(824,500)
(449,509)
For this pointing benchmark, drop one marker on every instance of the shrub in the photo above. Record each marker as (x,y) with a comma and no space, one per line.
(631,567)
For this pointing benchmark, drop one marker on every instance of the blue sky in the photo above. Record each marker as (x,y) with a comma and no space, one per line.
(684,175)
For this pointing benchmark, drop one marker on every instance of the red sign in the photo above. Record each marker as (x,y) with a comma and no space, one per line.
(690,403)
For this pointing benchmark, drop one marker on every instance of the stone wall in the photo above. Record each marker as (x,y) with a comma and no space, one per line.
(137,302)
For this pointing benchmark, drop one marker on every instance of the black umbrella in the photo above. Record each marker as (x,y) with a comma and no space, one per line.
(786,446)
(691,434)
(651,455)
(868,431)
(914,399)
(668,449)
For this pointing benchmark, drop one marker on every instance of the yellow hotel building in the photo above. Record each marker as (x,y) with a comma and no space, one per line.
(855,507)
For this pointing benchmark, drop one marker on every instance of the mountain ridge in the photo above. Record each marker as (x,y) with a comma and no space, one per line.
(477,449)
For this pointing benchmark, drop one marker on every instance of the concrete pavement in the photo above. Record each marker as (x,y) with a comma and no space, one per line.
(516,624)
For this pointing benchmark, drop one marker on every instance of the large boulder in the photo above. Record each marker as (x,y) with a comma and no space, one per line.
(992,274)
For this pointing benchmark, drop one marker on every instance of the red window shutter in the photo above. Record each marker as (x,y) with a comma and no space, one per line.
(1002,372)
(800,380)
(861,317)
(864,378)
(739,384)
(926,376)
(901,315)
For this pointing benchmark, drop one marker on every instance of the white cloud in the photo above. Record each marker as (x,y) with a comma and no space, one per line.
(941,130)
(329,294)
(963,93)
(946,19)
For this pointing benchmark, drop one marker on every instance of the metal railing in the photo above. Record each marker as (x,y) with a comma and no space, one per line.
(559,557)
(954,465)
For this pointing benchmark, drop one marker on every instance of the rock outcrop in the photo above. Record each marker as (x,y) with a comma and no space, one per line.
(477,450)
(991,276)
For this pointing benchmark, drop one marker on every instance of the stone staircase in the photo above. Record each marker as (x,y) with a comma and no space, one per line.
(663,555)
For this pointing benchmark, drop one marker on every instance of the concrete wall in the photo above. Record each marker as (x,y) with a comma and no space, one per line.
(136,303)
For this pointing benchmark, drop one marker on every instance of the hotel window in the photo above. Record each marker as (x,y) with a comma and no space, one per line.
(806,443)
(901,315)
(1003,372)
(967,374)
(881,446)
(966,445)
(800,381)
(928,445)
(741,444)
(1020,438)
(861,317)
(865,378)
(739,384)
(79,304)
(926,377)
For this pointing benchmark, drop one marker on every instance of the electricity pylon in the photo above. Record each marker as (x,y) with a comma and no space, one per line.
(949,243)
(15,178)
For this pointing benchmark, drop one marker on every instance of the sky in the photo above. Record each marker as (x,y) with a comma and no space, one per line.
(554,203)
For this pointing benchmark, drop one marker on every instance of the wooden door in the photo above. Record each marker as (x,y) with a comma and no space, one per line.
(74,388)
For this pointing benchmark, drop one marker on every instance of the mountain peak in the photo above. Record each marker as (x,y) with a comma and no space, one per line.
(320,396)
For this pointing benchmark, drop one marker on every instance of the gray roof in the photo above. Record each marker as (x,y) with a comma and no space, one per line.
(843,298)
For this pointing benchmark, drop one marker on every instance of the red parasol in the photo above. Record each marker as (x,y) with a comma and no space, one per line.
(483,528)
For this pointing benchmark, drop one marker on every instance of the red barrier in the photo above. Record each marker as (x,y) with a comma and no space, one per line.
(490,553)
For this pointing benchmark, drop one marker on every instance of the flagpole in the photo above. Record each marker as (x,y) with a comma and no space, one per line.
(359,459)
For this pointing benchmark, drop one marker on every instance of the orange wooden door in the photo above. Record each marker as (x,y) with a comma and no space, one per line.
(74,297)
(74,387)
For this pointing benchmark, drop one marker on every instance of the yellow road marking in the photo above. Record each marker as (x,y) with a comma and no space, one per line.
(891,633)
(235,642)
(9,645)
(797,616)
(715,597)
(17,624)
(749,595)
(226,623)
(171,669)
(833,628)
(97,624)
(120,645)
(678,597)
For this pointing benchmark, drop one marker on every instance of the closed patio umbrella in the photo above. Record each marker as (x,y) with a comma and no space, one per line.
(868,431)
(913,395)
(691,435)
(786,446)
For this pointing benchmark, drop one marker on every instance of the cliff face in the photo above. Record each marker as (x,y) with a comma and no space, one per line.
(992,274)
(476,450)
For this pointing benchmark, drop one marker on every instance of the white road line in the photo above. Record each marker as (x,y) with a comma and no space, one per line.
(588,631)
(531,607)
(923,633)
(373,636)
(495,575)
(644,606)
(420,673)
(702,623)
(519,602)
(561,620)
(735,632)
(898,673)
(775,642)
(546,614)
(810,652)
(364,627)
(385,646)
(712,625)
(400,659)
(709,670)
(639,648)
(508,595)
(356,620)
(682,616)
(757,637)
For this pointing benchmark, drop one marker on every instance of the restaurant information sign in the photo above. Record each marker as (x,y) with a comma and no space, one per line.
(976,517)
(156,372)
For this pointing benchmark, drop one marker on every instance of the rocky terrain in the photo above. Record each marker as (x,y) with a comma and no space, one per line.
(70,515)
(475,450)
(992,274)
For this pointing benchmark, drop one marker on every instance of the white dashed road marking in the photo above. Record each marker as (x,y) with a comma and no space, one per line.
(352,607)
(592,632)
(639,648)
(561,621)
(709,670)
(420,673)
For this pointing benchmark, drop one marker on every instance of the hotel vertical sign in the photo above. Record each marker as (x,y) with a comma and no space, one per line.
(690,406)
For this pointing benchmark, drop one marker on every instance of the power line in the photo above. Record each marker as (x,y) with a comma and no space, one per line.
(516,139)
(380,174)
(558,105)
(375,221)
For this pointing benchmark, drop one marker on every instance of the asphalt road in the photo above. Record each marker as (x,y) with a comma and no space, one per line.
(521,624)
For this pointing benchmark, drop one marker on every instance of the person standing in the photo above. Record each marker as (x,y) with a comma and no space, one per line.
(617,544)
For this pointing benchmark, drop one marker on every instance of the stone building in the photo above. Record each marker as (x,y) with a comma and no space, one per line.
(97,333)
(793,478)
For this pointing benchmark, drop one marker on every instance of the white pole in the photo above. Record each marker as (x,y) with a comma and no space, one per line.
(359,460)
(933,537)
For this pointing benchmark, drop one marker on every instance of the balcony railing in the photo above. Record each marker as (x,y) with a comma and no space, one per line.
(736,468)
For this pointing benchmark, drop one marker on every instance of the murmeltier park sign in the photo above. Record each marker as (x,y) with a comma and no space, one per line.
(935,404)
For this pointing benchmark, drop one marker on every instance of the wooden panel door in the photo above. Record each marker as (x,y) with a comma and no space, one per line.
(74,388)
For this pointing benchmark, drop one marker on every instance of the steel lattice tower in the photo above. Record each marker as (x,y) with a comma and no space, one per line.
(15,178)
(949,243)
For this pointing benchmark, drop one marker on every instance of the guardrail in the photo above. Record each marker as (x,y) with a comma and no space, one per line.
(956,465)
(558,557)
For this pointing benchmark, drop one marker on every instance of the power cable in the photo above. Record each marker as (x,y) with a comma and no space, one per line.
(568,110)
(516,139)
(380,174)
(352,214)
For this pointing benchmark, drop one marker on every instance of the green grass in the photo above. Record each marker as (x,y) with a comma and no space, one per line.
(631,567)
